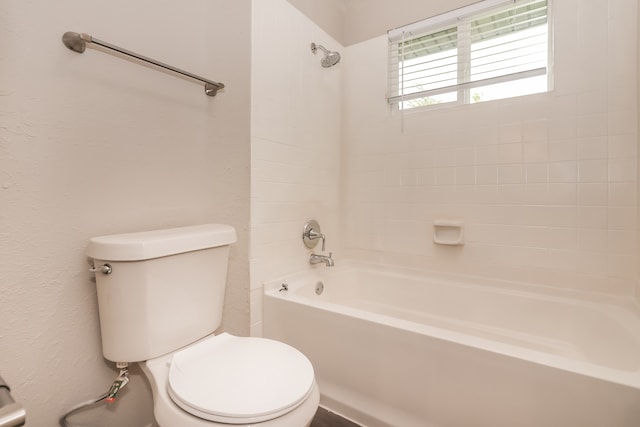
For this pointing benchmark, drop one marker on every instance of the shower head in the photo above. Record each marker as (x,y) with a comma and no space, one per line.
(330,58)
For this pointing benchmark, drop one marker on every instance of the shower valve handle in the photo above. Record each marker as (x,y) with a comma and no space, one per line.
(311,233)
(315,235)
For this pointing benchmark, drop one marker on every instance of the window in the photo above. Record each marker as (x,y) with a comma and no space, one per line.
(493,49)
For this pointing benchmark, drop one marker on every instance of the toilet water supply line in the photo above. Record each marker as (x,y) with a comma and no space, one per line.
(109,397)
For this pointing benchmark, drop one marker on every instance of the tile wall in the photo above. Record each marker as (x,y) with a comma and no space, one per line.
(546,184)
(295,154)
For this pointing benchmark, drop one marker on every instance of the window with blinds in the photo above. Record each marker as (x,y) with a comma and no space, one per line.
(493,49)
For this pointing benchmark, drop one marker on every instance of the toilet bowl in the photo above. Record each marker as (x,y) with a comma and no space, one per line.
(160,298)
(225,380)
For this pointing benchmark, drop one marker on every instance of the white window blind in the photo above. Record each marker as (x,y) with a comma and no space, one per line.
(489,50)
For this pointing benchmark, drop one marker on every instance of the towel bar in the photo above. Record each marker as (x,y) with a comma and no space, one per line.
(12,414)
(78,42)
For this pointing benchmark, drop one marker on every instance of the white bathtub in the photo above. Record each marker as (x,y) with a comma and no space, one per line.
(395,348)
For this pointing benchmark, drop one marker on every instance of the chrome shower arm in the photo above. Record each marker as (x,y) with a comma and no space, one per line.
(315,47)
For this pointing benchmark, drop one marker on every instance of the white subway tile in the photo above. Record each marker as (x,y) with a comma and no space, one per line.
(593,240)
(535,131)
(620,97)
(536,193)
(563,172)
(510,193)
(487,194)
(622,218)
(563,129)
(592,102)
(622,266)
(511,174)
(445,176)
(465,175)
(487,154)
(536,152)
(593,194)
(562,260)
(623,146)
(623,122)
(622,170)
(511,153)
(592,148)
(510,134)
(593,217)
(561,238)
(445,157)
(465,156)
(563,194)
(563,108)
(563,150)
(537,173)
(592,125)
(623,194)
(593,171)
(591,263)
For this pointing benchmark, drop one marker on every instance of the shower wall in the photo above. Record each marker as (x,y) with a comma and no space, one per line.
(295,143)
(546,185)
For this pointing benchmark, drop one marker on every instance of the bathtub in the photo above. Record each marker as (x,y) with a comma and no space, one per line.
(396,347)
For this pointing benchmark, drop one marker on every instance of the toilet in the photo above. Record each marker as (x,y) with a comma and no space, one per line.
(160,298)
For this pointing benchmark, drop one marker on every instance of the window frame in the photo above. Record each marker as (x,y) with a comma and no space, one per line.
(461,20)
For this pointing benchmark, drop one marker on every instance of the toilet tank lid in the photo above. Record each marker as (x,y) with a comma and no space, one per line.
(158,243)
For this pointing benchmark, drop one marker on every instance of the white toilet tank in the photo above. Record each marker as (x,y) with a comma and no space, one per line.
(165,289)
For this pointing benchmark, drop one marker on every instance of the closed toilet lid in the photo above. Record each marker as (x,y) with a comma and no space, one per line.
(237,380)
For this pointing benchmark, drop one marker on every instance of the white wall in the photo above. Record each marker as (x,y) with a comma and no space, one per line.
(327,14)
(295,144)
(92,144)
(545,184)
(354,21)
(638,159)
(366,19)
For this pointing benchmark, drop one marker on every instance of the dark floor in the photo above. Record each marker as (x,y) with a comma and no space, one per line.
(326,418)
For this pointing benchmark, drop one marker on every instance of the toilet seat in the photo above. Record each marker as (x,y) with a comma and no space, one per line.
(235,380)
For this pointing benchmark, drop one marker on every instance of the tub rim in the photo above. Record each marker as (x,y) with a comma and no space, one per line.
(273,288)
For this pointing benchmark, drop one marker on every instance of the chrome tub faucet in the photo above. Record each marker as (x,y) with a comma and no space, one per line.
(319,259)
(311,233)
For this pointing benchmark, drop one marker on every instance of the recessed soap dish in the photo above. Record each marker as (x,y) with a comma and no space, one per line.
(448,233)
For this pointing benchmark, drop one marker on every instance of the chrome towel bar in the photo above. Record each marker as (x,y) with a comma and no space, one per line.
(78,43)
(12,414)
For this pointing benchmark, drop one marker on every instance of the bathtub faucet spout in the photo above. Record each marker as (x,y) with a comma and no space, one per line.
(319,259)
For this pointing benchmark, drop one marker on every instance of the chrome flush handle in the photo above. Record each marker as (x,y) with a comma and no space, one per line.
(104,269)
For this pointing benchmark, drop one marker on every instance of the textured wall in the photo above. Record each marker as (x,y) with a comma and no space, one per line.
(546,184)
(295,144)
(92,144)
